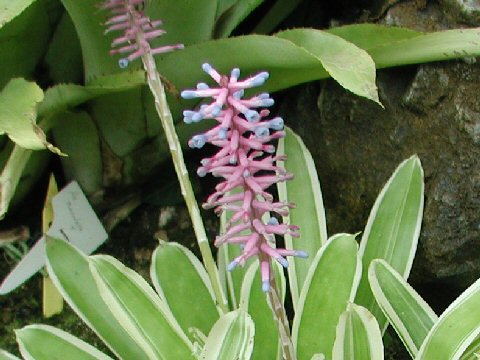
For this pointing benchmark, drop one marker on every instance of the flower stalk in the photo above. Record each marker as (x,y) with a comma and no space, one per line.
(138,31)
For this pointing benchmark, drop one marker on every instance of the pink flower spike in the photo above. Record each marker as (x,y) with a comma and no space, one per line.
(137,29)
(243,134)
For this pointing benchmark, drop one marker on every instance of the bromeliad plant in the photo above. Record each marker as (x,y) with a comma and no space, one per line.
(333,314)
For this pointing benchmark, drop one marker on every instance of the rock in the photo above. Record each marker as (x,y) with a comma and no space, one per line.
(433,111)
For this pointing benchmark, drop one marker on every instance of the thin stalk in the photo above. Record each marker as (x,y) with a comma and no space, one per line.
(282,322)
(163,110)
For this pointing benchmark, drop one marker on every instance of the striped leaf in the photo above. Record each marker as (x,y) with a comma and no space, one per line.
(175,274)
(392,229)
(409,314)
(139,310)
(358,336)
(43,342)
(330,285)
(231,338)
(304,190)
(69,270)
(456,329)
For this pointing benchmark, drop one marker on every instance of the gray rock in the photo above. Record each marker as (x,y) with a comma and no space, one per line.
(430,110)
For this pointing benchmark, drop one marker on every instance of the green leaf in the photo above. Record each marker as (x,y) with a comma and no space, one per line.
(277,13)
(121,120)
(18,113)
(78,136)
(409,314)
(350,66)
(230,338)
(392,229)
(43,342)
(88,21)
(442,45)
(303,190)
(255,302)
(234,16)
(369,36)
(473,351)
(61,97)
(139,310)
(456,328)
(7,356)
(176,272)
(11,9)
(185,21)
(70,272)
(358,336)
(330,284)
(22,47)
(64,55)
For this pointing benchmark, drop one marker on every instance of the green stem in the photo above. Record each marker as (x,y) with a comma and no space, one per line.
(282,322)
(161,105)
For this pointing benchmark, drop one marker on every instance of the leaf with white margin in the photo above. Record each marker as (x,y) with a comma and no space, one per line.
(456,328)
(139,310)
(330,285)
(408,313)
(44,342)
(358,336)
(230,338)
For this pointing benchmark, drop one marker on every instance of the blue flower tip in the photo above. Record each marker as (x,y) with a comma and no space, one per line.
(261,131)
(197,117)
(265,285)
(276,123)
(188,94)
(232,265)
(235,73)
(197,141)
(207,67)
(252,116)
(272,221)
(202,86)
(301,254)
(282,261)
(201,172)
(123,63)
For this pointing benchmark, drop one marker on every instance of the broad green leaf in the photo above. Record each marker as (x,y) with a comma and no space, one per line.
(350,66)
(409,314)
(11,9)
(88,20)
(330,285)
(121,120)
(369,36)
(43,342)
(234,16)
(277,13)
(456,328)
(224,5)
(392,229)
(78,136)
(176,274)
(139,310)
(230,338)
(358,336)
(303,190)
(64,55)
(7,356)
(442,45)
(291,65)
(61,97)
(255,302)
(185,21)
(18,113)
(70,272)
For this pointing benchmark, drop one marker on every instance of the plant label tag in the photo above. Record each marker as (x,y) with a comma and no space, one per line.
(74,221)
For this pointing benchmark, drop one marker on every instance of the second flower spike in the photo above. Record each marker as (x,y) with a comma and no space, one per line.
(247,164)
